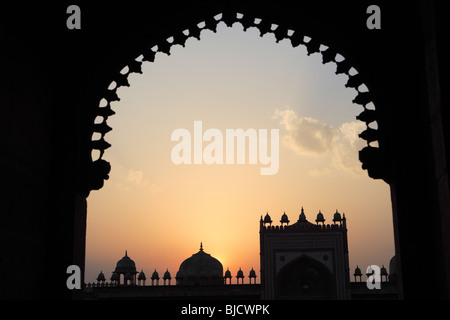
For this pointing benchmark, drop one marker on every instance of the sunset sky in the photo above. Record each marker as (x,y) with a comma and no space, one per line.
(160,211)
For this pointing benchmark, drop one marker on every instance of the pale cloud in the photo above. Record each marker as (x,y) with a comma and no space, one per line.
(347,147)
(311,137)
(307,136)
(128,179)
(137,177)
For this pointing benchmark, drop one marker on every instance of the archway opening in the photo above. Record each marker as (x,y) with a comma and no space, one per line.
(305,278)
(161,211)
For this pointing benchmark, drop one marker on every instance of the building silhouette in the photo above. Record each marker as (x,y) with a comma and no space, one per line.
(299,261)
(200,270)
(304,260)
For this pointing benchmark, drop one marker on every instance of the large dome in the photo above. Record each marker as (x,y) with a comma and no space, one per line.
(200,269)
(125,265)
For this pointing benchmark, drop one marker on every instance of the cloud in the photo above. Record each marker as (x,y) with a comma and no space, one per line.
(306,136)
(137,177)
(130,179)
(311,137)
(347,146)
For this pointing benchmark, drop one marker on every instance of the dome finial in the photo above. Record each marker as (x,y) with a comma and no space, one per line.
(126,253)
(201,246)
(302,216)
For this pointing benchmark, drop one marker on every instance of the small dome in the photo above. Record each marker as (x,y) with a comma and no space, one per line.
(125,265)
(228,274)
(240,274)
(101,277)
(267,218)
(357,272)
(155,275)
(337,217)
(383,271)
(252,274)
(320,217)
(302,217)
(284,218)
(142,275)
(167,275)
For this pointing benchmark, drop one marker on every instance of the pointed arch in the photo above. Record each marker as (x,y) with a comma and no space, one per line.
(305,278)
(370,156)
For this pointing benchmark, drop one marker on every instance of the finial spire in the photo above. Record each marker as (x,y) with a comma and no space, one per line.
(126,253)
(201,246)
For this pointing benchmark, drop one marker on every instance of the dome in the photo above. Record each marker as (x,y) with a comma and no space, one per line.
(383,271)
(142,275)
(302,217)
(201,269)
(101,276)
(155,275)
(167,275)
(284,218)
(125,265)
(267,218)
(252,274)
(320,217)
(228,274)
(358,272)
(240,274)
(337,217)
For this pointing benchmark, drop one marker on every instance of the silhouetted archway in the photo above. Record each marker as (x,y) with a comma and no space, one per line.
(401,150)
(370,156)
(343,66)
(53,94)
(305,278)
